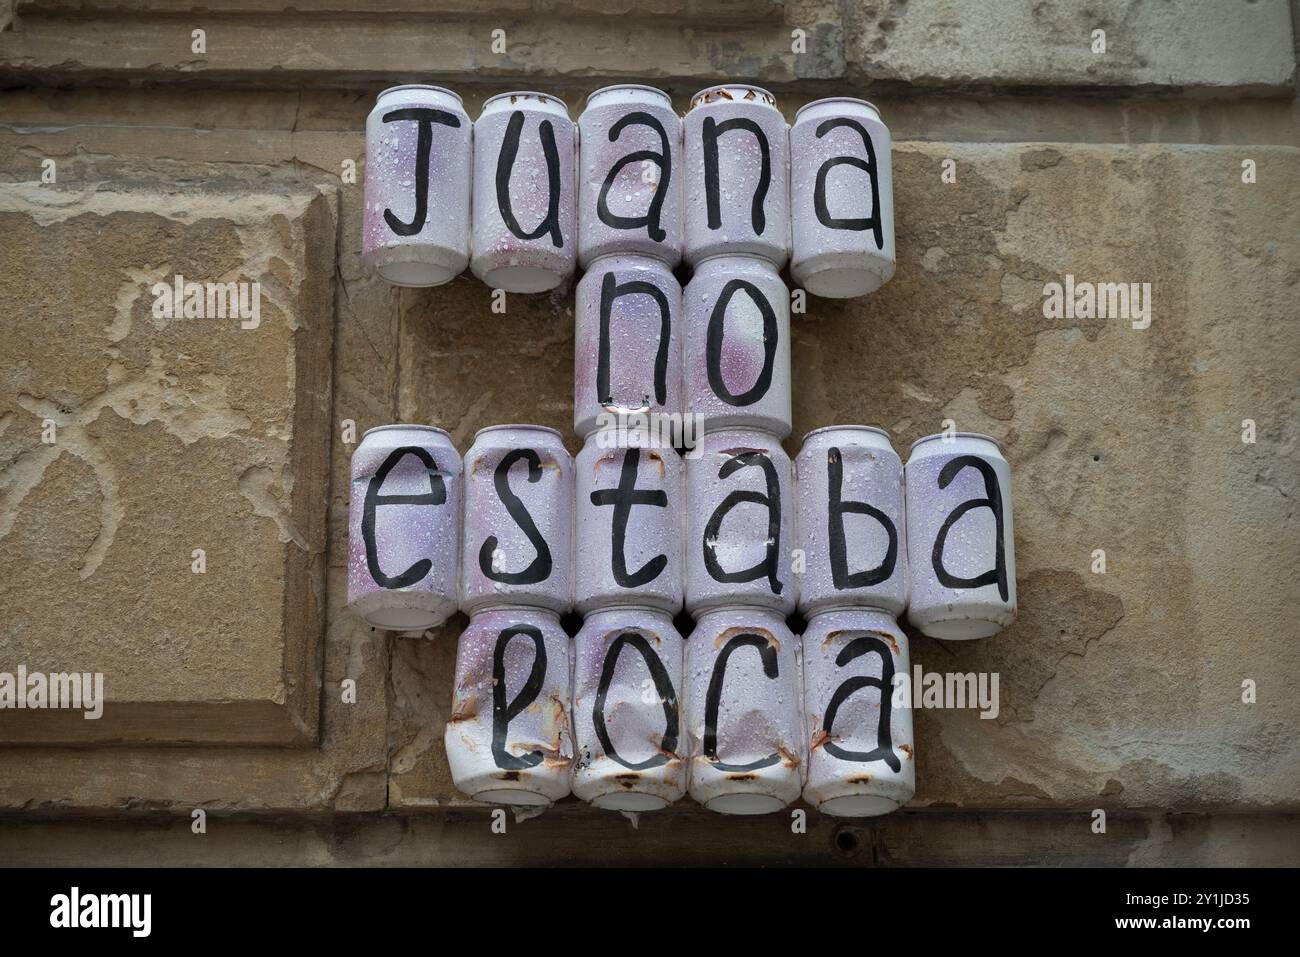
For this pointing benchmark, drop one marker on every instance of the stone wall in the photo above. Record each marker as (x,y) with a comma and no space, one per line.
(1121,691)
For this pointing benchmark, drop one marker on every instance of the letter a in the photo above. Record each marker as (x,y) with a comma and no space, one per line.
(998,573)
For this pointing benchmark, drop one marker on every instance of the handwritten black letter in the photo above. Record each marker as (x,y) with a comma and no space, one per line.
(540,568)
(437,495)
(998,573)
(423,146)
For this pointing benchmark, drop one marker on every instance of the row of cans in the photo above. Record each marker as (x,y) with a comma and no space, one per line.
(523,195)
(744,715)
(632,522)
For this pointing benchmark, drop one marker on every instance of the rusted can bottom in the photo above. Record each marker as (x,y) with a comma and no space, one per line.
(616,789)
(506,796)
(745,804)
(417,266)
(762,791)
(859,805)
(630,802)
(629,791)
(533,787)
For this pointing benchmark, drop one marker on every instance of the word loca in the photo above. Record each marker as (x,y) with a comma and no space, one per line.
(630,717)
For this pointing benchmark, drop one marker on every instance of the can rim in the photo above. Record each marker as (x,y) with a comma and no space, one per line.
(771,100)
(630,86)
(420,86)
(513,606)
(837,99)
(628,255)
(406,425)
(732,429)
(609,609)
(645,430)
(519,425)
(849,425)
(740,255)
(857,609)
(739,606)
(958,435)
(537,93)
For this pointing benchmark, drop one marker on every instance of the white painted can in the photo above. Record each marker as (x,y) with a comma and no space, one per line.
(630,745)
(960,537)
(509,737)
(744,711)
(861,750)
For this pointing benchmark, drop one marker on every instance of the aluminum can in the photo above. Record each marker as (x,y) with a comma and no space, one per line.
(524,236)
(509,738)
(849,520)
(861,759)
(627,342)
(739,523)
(404,515)
(629,510)
(736,356)
(518,541)
(841,199)
(630,182)
(629,744)
(415,225)
(736,187)
(743,700)
(960,536)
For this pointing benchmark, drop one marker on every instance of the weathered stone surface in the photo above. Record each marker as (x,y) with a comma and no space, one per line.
(314,124)
(1196,46)
(572,835)
(131,439)
(1117,690)
(285,214)
(276,49)
(1210,46)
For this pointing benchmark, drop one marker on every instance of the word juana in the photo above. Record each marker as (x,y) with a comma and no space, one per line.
(103,910)
(933,689)
(57,690)
(208,300)
(1103,300)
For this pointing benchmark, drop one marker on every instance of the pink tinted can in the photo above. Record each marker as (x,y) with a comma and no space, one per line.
(737,175)
(630,183)
(404,527)
(960,536)
(736,356)
(629,509)
(509,736)
(524,237)
(627,341)
(518,539)
(861,757)
(850,521)
(743,701)
(415,225)
(841,199)
(739,523)
(629,743)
